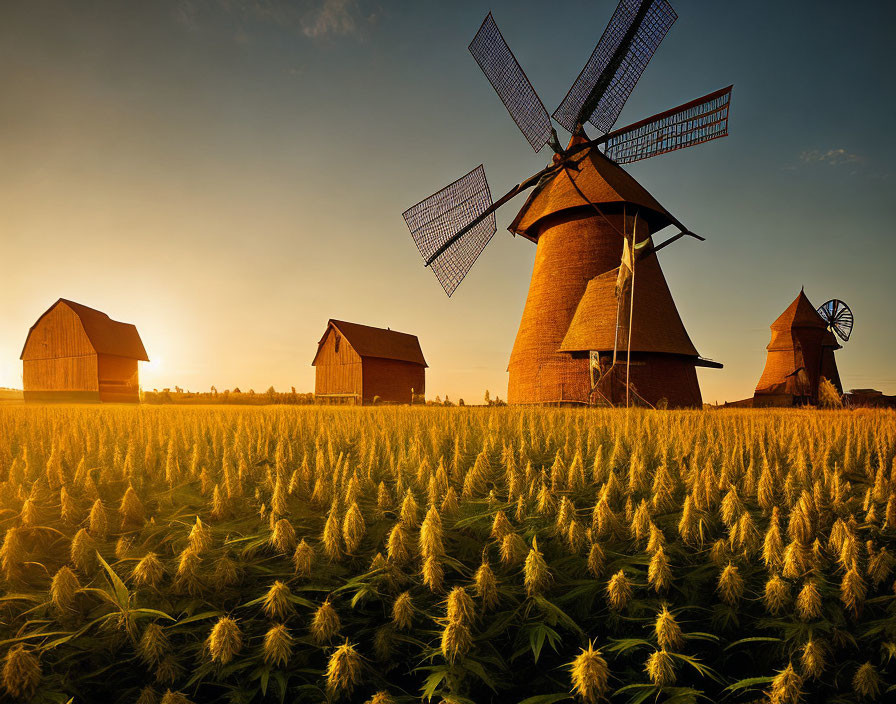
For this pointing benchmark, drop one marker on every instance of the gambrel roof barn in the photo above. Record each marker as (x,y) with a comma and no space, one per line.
(77,353)
(358,364)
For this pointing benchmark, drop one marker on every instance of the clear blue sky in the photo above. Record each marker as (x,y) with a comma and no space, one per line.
(227,175)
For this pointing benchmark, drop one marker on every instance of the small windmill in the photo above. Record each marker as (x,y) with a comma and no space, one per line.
(453,226)
(801,352)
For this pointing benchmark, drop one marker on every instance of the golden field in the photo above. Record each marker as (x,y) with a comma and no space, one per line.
(159,554)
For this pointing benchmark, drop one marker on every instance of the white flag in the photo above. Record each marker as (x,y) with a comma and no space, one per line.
(627,265)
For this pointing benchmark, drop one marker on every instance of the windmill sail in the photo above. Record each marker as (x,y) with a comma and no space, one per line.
(435,221)
(511,83)
(838,316)
(616,64)
(698,121)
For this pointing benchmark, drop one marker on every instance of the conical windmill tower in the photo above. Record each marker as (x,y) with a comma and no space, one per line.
(801,352)
(586,308)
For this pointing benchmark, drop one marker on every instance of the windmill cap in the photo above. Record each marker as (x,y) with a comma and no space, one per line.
(591,179)
(799,314)
(574,141)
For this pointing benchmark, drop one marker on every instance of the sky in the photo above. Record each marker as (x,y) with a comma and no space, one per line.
(230,174)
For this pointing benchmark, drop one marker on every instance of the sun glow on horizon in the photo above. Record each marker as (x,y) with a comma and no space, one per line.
(150,370)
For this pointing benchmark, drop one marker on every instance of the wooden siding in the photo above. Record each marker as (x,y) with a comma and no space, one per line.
(58,334)
(829,368)
(392,380)
(58,362)
(657,378)
(62,374)
(794,349)
(575,248)
(572,249)
(61,397)
(118,381)
(337,373)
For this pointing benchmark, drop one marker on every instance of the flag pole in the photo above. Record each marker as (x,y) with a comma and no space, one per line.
(631,315)
(616,336)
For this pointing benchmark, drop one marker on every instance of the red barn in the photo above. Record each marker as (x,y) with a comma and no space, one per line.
(356,364)
(76,353)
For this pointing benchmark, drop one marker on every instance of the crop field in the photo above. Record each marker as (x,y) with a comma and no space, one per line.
(479,555)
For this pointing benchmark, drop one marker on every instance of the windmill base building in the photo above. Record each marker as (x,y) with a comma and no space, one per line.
(800,355)
(574,324)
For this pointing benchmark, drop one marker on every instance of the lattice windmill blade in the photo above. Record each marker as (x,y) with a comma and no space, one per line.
(511,84)
(616,64)
(838,316)
(698,121)
(435,221)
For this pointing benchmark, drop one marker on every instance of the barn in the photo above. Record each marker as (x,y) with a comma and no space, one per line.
(357,364)
(76,353)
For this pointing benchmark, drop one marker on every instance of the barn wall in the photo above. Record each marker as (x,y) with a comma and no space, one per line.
(65,375)
(392,380)
(62,397)
(337,372)
(58,362)
(59,333)
(118,381)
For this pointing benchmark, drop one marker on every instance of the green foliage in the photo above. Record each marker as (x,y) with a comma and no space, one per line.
(266,539)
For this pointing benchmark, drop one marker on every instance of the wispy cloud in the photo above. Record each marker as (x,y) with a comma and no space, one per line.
(832,157)
(845,163)
(332,17)
(313,18)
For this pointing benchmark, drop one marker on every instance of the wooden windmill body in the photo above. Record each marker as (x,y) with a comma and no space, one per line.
(578,220)
(583,210)
(800,355)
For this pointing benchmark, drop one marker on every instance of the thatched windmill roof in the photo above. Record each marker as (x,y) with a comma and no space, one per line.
(656,325)
(799,314)
(600,180)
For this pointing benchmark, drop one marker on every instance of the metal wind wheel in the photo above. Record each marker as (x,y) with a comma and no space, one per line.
(838,316)
(453,226)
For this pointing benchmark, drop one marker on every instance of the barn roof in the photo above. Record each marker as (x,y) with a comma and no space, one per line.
(106,336)
(656,325)
(600,179)
(368,341)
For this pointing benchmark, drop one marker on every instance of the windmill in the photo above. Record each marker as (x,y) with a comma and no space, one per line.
(801,352)
(582,208)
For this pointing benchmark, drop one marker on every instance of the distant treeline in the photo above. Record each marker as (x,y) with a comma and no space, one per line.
(269,397)
(236,396)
